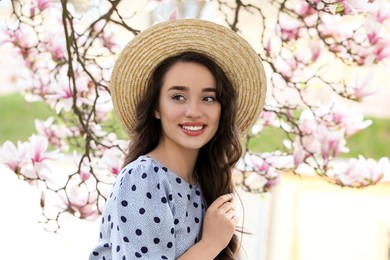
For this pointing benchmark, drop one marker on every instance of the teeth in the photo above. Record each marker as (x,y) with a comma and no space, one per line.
(193,128)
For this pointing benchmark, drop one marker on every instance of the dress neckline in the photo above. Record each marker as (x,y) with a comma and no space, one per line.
(172,172)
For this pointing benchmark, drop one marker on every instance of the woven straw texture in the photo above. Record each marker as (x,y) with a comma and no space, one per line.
(229,50)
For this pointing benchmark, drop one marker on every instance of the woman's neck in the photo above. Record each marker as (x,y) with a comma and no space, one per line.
(179,160)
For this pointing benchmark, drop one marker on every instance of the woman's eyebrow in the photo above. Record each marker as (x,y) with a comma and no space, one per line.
(181,88)
(184,88)
(209,90)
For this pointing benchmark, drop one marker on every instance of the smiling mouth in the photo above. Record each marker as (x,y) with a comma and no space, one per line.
(192,128)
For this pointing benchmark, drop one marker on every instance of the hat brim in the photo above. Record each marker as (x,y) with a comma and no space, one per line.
(230,51)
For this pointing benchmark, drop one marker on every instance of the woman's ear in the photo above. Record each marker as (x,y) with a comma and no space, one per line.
(157,114)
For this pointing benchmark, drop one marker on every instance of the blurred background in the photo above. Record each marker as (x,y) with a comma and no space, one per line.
(301,218)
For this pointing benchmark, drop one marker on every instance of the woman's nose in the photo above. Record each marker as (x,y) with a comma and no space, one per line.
(194,110)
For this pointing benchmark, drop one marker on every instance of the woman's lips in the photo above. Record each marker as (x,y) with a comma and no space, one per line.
(193,129)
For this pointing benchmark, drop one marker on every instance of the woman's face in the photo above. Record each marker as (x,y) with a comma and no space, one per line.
(188,109)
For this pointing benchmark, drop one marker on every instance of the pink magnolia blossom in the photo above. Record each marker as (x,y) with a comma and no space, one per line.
(307,122)
(267,118)
(103,104)
(270,118)
(255,181)
(31,159)
(81,202)
(56,134)
(299,154)
(38,152)
(374,31)
(264,176)
(41,5)
(346,117)
(99,26)
(84,173)
(286,66)
(362,172)
(362,88)
(62,93)
(305,147)
(332,142)
(98,130)
(62,96)
(311,144)
(382,12)
(109,41)
(316,49)
(303,54)
(56,46)
(14,157)
(382,51)
(260,164)
(357,6)
(303,9)
(110,161)
(328,22)
(320,5)
(308,53)
(289,28)
(173,15)
(19,38)
(273,46)
(330,27)
(85,167)
(111,140)
(317,140)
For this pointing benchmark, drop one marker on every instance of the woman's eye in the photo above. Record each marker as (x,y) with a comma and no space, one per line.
(209,99)
(178,97)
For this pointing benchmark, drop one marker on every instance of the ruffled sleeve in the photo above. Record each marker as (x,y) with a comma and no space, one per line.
(138,218)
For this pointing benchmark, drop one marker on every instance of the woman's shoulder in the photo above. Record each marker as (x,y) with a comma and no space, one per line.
(144,168)
(141,164)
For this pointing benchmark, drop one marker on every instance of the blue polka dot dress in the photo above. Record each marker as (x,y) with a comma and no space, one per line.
(150,214)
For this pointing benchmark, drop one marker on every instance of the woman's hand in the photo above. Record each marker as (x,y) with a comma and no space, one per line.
(218,228)
(219,224)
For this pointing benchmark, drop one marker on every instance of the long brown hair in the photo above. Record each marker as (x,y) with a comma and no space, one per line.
(217,158)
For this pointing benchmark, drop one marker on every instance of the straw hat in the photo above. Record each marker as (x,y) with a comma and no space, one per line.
(231,52)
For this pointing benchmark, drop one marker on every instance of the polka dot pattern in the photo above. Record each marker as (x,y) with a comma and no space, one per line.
(157,214)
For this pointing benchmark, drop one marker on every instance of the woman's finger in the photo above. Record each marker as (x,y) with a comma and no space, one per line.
(230,214)
(221,200)
(226,207)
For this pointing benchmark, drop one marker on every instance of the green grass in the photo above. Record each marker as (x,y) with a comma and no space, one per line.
(373,142)
(17,117)
(269,140)
(17,123)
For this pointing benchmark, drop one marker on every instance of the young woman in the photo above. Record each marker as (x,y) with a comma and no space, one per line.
(184,97)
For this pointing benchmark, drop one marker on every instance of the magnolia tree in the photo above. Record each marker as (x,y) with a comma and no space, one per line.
(67,50)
